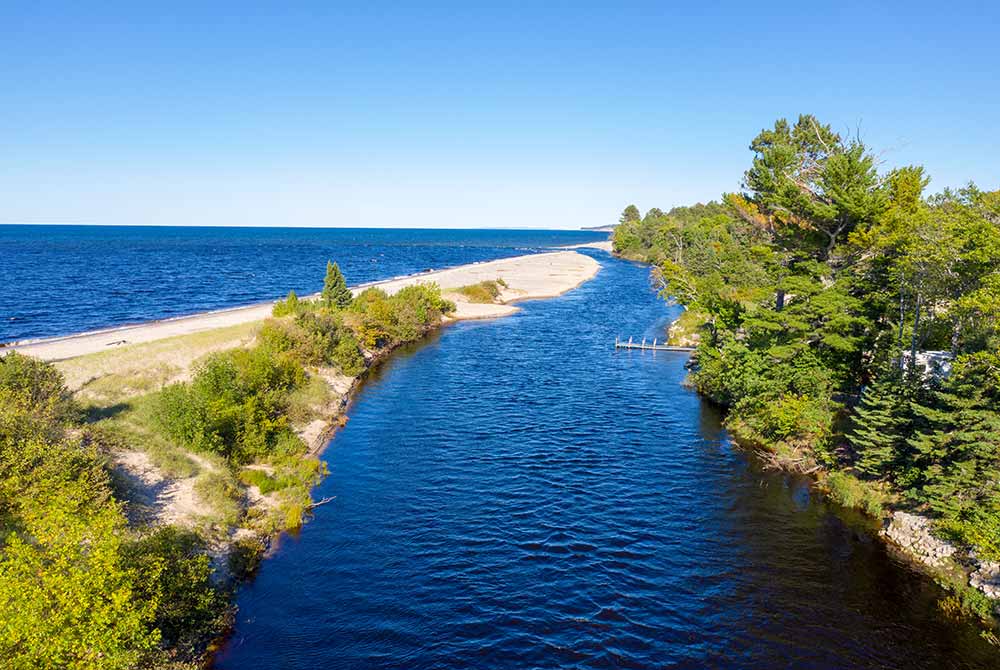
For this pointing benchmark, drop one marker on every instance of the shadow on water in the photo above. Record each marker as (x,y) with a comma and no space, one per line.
(515,493)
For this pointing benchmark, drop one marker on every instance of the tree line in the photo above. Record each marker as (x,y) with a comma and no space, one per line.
(819,289)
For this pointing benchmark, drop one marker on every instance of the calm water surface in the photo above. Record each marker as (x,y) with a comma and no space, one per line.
(56,280)
(515,494)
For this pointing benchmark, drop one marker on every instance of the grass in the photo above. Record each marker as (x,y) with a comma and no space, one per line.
(220,493)
(309,401)
(485,292)
(849,491)
(686,330)
(134,426)
(142,366)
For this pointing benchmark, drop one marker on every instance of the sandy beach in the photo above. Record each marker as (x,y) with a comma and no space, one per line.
(528,277)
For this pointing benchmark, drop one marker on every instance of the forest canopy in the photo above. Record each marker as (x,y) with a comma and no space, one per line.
(848,319)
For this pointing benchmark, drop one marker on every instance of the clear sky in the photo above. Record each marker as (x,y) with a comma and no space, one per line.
(549,115)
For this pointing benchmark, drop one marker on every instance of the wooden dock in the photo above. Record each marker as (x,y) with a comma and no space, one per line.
(653,346)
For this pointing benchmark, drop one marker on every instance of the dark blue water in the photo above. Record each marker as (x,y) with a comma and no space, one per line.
(516,494)
(56,280)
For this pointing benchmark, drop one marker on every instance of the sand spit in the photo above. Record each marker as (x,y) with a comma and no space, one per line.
(533,276)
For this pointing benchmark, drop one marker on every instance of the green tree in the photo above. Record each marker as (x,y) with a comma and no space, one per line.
(959,451)
(809,180)
(66,598)
(335,291)
(880,428)
(630,214)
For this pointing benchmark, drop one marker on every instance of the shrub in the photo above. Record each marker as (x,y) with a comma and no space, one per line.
(234,404)
(347,355)
(380,320)
(38,465)
(372,318)
(41,382)
(245,556)
(176,575)
(789,418)
(289,305)
(314,338)
(849,491)
(483,292)
(981,530)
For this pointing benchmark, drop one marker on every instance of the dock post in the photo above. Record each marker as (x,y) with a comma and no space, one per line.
(616,341)
(630,340)
(654,342)
(644,343)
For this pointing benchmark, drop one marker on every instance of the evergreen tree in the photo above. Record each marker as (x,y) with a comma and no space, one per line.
(335,291)
(879,428)
(960,449)
(630,214)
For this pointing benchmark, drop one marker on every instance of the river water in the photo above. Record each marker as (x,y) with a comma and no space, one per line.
(516,494)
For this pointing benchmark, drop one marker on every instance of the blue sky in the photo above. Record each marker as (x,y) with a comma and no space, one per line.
(461,115)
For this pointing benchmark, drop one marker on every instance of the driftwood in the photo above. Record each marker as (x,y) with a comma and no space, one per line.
(321,502)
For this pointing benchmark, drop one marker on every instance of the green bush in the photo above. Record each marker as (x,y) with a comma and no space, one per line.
(483,292)
(234,405)
(380,320)
(177,577)
(793,419)
(41,382)
(291,306)
(245,557)
(981,530)
(347,355)
(315,338)
(849,491)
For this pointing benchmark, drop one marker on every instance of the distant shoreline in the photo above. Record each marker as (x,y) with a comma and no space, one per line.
(534,266)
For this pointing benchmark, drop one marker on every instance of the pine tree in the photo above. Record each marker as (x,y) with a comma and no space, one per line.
(335,291)
(961,451)
(879,429)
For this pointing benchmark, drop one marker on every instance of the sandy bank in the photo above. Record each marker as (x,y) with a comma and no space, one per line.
(533,276)
(604,245)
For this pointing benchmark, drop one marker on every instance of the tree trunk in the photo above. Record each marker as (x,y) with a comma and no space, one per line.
(956,337)
(902,318)
(779,300)
(913,336)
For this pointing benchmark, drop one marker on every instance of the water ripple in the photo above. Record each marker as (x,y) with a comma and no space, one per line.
(514,494)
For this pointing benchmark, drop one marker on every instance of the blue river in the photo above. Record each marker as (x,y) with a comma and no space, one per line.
(516,494)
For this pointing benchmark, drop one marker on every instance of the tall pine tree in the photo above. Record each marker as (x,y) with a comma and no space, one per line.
(335,291)
(961,451)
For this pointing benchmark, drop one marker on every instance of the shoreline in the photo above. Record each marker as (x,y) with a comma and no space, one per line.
(160,483)
(64,347)
(905,533)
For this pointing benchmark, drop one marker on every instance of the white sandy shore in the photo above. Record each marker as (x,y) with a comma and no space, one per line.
(603,245)
(533,276)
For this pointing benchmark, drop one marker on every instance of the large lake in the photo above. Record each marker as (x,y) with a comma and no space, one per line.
(516,494)
(56,280)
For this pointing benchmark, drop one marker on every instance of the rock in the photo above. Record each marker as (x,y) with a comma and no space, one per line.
(912,533)
(986,578)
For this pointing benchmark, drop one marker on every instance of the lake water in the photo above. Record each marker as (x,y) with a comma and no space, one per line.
(56,280)
(516,494)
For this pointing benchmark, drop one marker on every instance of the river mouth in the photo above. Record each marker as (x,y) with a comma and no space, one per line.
(515,493)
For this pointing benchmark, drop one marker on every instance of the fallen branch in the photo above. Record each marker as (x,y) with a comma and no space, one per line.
(321,502)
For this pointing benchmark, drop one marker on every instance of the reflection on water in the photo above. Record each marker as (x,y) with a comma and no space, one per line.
(515,493)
